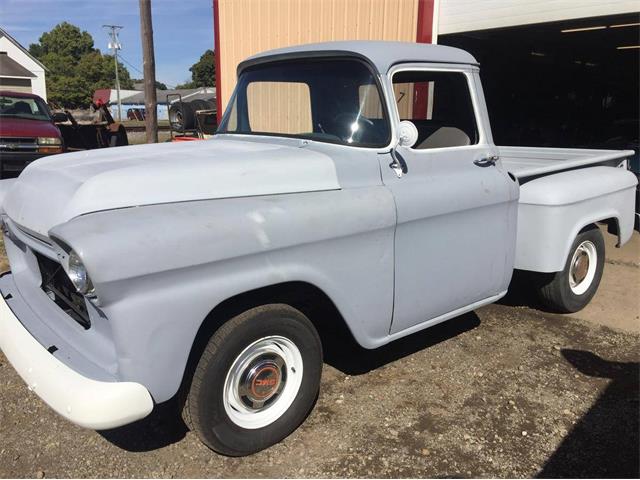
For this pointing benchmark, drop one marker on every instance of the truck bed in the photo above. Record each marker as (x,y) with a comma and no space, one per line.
(525,162)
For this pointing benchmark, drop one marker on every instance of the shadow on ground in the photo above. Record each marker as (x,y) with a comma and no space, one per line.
(521,292)
(161,428)
(343,353)
(605,442)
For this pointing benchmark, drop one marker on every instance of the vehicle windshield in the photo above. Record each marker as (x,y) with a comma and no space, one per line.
(328,100)
(23,107)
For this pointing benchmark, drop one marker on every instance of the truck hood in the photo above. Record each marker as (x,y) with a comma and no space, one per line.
(20,127)
(53,190)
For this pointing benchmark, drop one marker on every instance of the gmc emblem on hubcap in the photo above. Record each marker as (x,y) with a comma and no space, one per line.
(265,381)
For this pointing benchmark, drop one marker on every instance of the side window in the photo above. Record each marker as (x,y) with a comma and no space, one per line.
(279,107)
(440,106)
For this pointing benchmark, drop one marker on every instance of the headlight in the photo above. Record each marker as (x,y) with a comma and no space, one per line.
(78,275)
(49,141)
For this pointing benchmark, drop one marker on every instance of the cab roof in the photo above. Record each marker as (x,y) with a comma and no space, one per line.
(382,55)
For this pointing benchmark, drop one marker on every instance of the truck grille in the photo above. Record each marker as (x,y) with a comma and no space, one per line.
(18,144)
(58,287)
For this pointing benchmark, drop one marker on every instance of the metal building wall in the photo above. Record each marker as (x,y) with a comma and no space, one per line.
(468,15)
(246,27)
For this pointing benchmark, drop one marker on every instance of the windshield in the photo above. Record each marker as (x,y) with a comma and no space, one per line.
(328,100)
(23,107)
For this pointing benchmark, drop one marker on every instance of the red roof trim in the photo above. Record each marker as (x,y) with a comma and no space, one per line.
(424,35)
(425,21)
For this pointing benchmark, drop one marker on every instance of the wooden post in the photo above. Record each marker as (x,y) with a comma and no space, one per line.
(149,69)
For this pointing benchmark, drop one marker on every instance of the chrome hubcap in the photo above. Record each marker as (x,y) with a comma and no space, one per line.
(583,267)
(262,382)
(580,266)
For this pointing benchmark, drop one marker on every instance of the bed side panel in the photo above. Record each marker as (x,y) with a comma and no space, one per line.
(553,210)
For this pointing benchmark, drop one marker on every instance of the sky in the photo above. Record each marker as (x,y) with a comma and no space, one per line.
(183,29)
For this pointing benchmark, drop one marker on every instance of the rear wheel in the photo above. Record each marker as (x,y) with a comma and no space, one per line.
(573,288)
(256,381)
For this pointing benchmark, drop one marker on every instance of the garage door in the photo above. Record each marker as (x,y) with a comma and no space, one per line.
(22,85)
(561,84)
(468,15)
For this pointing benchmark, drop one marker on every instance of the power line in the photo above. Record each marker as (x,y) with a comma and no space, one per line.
(138,70)
(131,64)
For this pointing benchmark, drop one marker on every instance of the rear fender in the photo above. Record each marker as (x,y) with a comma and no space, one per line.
(554,209)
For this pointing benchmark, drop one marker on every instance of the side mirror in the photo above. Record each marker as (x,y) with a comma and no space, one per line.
(60,117)
(407,134)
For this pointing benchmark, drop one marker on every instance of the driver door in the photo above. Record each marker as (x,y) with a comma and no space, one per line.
(456,220)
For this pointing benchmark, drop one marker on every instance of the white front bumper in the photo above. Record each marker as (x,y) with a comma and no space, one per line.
(86,402)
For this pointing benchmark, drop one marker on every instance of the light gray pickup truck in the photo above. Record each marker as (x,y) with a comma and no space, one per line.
(362,175)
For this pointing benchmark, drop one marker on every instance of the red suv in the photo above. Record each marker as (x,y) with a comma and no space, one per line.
(27,131)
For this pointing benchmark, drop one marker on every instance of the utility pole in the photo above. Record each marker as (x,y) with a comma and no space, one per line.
(115,45)
(149,68)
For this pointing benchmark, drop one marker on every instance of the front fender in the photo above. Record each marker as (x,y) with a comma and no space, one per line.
(160,270)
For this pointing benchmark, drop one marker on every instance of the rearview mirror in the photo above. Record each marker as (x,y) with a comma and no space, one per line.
(407,134)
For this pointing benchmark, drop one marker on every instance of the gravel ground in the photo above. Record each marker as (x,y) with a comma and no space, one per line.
(505,391)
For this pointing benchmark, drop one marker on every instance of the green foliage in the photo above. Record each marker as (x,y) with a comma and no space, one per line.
(65,40)
(76,68)
(203,72)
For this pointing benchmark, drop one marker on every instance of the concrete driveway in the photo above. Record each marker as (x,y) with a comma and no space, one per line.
(505,391)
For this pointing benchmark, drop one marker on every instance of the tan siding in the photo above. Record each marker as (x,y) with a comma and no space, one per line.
(279,107)
(251,26)
(404,99)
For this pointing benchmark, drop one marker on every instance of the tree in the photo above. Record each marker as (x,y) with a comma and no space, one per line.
(76,68)
(203,72)
(66,40)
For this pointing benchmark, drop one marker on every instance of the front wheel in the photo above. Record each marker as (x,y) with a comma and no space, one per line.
(573,288)
(256,381)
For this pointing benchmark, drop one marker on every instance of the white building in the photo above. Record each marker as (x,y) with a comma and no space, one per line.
(558,73)
(19,70)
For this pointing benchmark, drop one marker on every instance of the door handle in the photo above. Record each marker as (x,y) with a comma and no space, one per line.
(399,166)
(486,161)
